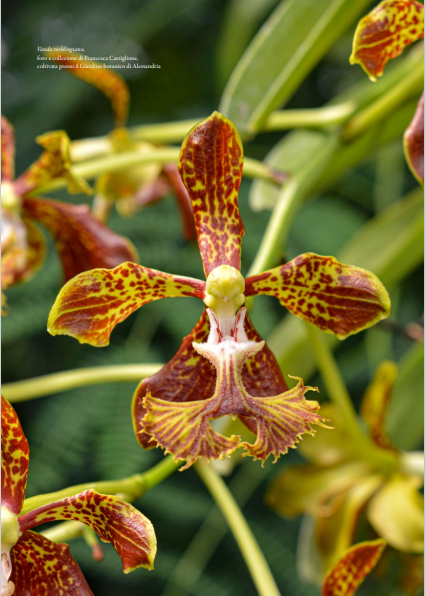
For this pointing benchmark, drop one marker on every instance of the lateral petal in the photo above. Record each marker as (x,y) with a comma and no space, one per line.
(111,84)
(15,456)
(115,521)
(385,32)
(414,138)
(396,512)
(211,166)
(83,242)
(53,163)
(336,298)
(91,304)
(355,564)
(42,568)
(7,151)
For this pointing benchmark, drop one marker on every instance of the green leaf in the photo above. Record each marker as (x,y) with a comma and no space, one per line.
(390,245)
(291,42)
(405,416)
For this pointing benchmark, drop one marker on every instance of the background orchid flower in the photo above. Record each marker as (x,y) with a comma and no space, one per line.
(338,484)
(30,563)
(382,35)
(134,188)
(81,240)
(173,408)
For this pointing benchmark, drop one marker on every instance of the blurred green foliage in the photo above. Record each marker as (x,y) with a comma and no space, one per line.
(87,434)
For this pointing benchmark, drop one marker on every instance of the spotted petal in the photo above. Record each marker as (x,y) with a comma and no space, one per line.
(211,165)
(106,80)
(91,304)
(7,151)
(336,298)
(385,32)
(183,429)
(82,241)
(14,459)
(356,563)
(53,163)
(414,138)
(41,567)
(115,521)
(189,377)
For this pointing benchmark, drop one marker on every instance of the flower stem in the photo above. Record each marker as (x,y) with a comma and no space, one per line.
(408,86)
(311,118)
(132,486)
(250,550)
(338,394)
(79,377)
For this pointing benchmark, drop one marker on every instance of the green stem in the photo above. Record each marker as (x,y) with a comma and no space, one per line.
(408,86)
(291,195)
(168,132)
(132,486)
(250,550)
(338,393)
(313,118)
(79,377)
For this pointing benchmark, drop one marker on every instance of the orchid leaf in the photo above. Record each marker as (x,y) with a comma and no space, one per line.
(396,512)
(91,304)
(355,564)
(110,83)
(404,421)
(334,297)
(31,574)
(414,142)
(7,151)
(82,241)
(385,32)
(211,166)
(291,42)
(115,521)
(14,459)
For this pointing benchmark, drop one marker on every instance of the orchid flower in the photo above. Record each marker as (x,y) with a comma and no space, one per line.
(32,565)
(134,188)
(381,36)
(81,240)
(338,484)
(174,407)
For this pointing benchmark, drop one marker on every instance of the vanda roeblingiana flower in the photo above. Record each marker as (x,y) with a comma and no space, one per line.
(174,407)
(81,240)
(32,565)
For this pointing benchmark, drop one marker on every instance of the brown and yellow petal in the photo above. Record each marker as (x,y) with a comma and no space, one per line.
(355,564)
(211,166)
(82,241)
(115,521)
(106,80)
(414,138)
(41,567)
(397,513)
(385,32)
(376,402)
(53,163)
(91,304)
(7,151)
(336,298)
(189,377)
(14,459)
